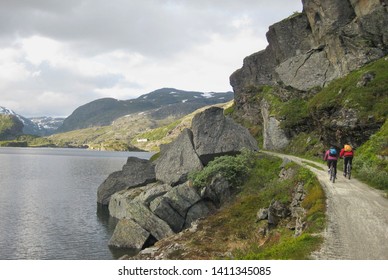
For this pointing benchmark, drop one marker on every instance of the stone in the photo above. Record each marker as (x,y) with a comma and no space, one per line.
(274,136)
(216,135)
(195,212)
(129,234)
(276,212)
(177,160)
(218,191)
(182,197)
(143,216)
(121,200)
(167,213)
(262,214)
(135,172)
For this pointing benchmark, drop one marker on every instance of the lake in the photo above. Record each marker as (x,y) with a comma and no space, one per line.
(48,208)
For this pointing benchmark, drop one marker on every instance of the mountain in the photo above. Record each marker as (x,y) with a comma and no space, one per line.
(47,125)
(10,126)
(160,104)
(40,126)
(322,75)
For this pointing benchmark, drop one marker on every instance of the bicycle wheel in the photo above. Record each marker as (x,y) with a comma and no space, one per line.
(349,171)
(332,174)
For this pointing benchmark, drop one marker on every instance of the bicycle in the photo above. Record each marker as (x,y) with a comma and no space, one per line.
(332,172)
(348,171)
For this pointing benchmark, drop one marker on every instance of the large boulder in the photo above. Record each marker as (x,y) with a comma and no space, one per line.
(174,206)
(178,159)
(216,135)
(144,217)
(120,201)
(129,234)
(135,172)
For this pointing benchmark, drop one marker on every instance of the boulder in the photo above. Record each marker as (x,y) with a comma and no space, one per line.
(167,213)
(174,207)
(276,212)
(218,191)
(177,160)
(143,216)
(129,234)
(216,135)
(135,172)
(195,212)
(274,136)
(121,200)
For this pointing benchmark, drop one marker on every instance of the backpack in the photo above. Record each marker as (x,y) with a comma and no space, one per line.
(347,148)
(333,152)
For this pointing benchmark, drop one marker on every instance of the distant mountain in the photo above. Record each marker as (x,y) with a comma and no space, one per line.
(40,126)
(47,125)
(160,103)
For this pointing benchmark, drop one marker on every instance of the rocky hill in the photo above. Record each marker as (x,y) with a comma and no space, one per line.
(292,86)
(322,81)
(159,104)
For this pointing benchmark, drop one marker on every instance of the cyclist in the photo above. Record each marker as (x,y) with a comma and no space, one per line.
(331,156)
(348,154)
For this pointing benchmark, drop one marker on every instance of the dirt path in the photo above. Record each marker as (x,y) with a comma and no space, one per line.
(357,217)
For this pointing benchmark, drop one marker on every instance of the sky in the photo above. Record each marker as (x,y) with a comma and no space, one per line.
(57,55)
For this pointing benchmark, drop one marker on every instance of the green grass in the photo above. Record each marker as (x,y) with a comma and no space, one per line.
(368,101)
(370,163)
(232,232)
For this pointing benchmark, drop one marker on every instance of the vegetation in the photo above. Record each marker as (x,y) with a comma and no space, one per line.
(233,231)
(369,101)
(27,141)
(371,160)
(233,168)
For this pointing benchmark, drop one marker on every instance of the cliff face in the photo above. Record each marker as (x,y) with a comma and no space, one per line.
(326,41)
(307,51)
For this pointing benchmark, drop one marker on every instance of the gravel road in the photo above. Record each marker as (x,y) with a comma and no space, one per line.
(357,217)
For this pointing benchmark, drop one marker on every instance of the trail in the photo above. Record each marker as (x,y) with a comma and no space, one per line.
(357,217)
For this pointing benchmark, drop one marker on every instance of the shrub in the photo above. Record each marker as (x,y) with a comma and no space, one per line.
(234,168)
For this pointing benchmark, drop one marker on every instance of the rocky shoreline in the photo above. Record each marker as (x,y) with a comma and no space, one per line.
(155,200)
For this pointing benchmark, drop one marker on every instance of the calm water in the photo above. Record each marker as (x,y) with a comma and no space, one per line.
(48,206)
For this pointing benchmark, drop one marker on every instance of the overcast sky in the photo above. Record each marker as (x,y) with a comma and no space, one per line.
(56,55)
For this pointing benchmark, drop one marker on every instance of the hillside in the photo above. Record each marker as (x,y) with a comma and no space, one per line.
(10,127)
(125,132)
(159,104)
(321,81)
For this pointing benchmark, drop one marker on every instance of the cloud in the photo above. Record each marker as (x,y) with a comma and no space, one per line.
(80,50)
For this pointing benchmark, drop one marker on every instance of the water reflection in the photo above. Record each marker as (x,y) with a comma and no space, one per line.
(48,204)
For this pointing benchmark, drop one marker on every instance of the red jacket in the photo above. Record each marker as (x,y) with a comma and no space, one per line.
(343,153)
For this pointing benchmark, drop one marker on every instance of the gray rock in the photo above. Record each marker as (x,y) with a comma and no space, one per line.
(143,216)
(167,213)
(177,160)
(128,234)
(216,135)
(276,212)
(182,197)
(121,200)
(197,211)
(218,191)
(135,172)
(262,214)
(274,137)
(177,207)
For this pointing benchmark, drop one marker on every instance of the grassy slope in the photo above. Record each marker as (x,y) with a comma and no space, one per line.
(232,233)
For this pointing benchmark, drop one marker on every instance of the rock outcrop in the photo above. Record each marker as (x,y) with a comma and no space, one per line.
(211,135)
(306,51)
(324,42)
(220,136)
(136,172)
(173,166)
(151,211)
